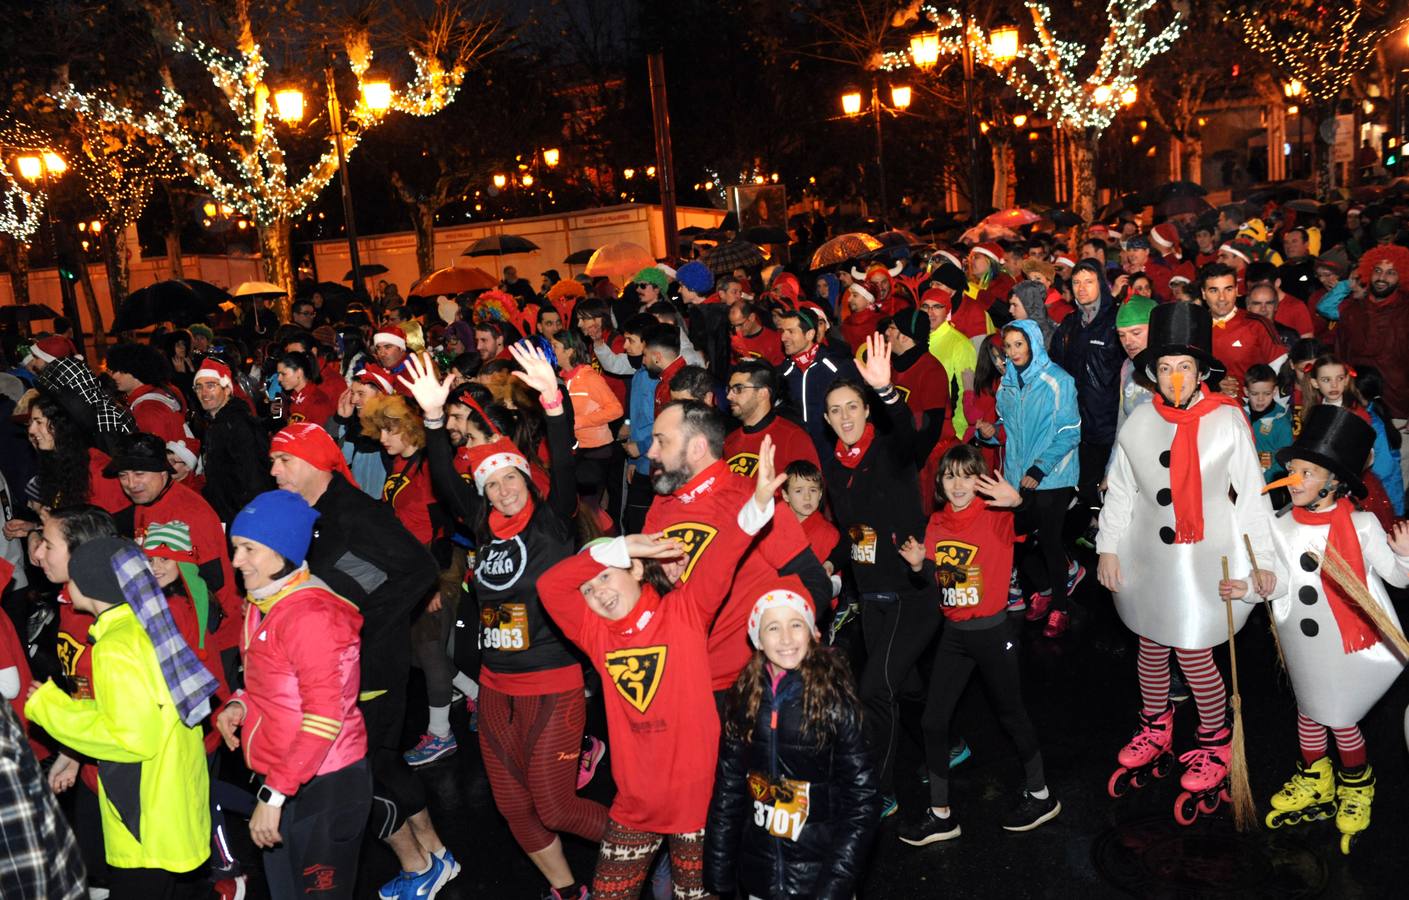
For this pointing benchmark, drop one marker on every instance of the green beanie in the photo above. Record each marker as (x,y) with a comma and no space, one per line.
(1135,311)
(651,275)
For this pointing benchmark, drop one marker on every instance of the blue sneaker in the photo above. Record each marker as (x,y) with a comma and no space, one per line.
(392,889)
(1074,576)
(889,806)
(452,865)
(1016,599)
(430,749)
(425,885)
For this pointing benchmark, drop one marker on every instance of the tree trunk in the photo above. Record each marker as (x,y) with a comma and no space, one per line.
(90,299)
(276,247)
(1176,158)
(174,266)
(423,221)
(1194,171)
(1083,169)
(17,264)
(114,243)
(1002,169)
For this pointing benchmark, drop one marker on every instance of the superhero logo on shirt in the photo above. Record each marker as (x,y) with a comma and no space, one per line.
(637,673)
(501,564)
(960,582)
(69,651)
(696,536)
(904,392)
(743,464)
(395,482)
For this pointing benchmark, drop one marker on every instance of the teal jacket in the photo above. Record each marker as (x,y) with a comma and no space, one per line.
(1037,407)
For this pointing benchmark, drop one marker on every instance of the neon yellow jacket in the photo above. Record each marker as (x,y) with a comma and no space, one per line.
(153,787)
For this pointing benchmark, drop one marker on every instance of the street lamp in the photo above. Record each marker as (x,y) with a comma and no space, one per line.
(500,180)
(900,96)
(1003,44)
(851,102)
(1102,94)
(924,50)
(38,167)
(288,105)
(1129,96)
(1293,88)
(376,95)
(550,157)
(1019,120)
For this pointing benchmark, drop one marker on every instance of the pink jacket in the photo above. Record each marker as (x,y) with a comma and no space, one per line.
(301,682)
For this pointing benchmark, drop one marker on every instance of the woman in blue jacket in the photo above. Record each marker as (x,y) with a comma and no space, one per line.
(1037,406)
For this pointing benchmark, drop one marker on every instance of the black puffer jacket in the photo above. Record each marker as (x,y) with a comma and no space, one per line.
(843,807)
(1091,354)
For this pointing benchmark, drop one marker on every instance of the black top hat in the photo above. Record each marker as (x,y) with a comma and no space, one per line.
(1179,329)
(1336,438)
(138,452)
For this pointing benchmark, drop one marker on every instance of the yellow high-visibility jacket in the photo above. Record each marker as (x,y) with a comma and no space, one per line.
(153,786)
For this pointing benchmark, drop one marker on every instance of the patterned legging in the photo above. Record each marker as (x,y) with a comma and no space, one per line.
(625,858)
(1201,673)
(1350,743)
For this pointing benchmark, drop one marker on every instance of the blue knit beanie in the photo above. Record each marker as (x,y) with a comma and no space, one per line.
(281,521)
(696,276)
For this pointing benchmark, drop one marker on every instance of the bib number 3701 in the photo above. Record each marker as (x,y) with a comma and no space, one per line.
(780,808)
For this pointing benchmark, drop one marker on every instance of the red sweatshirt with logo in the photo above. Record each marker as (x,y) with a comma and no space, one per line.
(972,552)
(655,665)
(791,443)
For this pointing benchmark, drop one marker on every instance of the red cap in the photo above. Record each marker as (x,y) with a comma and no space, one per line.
(942,296)
(1165,235)
(989,249)
(377,377)
(53,347)
(313,445)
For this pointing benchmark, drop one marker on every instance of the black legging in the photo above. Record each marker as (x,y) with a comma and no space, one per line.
(321,827)
(993,648)
(896,632)
(1042,517)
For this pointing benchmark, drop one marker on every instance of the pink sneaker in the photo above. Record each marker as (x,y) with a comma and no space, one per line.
(1037,605)
(1057,624)
(592,752)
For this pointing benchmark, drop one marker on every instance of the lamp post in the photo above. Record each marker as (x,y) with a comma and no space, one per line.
(1294,90)
(38,167)
(851,106)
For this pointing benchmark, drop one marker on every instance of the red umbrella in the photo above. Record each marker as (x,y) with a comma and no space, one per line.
(1013,217)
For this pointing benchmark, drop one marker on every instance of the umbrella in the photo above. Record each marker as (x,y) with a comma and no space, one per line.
(176,301)
(500,245)
(622,258)
(26,312)
(453,280)
(1279,192)
(766,234)
(1305,205)
(367,271)
(1182,205)
(1013,217)
(690,230)
(898,237)
(941,222)
(1126,203)
(843,248)
(579,257)
(1180,189)
(982,232)
(734,255)
(328,289)
(1062,218)
(260,289)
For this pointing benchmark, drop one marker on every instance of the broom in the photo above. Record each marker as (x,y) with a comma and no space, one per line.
(1339,570)
(1244,810)
(1271,619)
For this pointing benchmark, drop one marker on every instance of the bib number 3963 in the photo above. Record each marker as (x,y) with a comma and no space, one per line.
(504,628)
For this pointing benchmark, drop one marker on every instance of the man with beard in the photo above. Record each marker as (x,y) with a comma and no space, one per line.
(235,445)
(697,496)
(1374,329)
(1240,339)
(753,399)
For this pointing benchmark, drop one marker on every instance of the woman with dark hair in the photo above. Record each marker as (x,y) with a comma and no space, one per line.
(301,383)
(70,467)
(594,408)
(177,347)
(531,705)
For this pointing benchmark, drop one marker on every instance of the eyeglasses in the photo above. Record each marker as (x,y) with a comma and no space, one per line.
(740,388)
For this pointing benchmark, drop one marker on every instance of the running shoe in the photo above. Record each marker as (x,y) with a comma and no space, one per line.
(1031,812)
(1088,537)
(889,806)
(931,829)
(1074,576)
(843,615)
(1016,600)
(1037,605)
(231,888)
(452,865)
(425,885)
(592,752)
(958,754)
(430,749)
(1057,624)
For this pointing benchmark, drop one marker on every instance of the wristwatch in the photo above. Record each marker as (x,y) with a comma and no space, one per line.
(270,797)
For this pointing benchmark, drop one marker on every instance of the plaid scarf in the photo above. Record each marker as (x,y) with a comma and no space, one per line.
(190,683)
(71,379)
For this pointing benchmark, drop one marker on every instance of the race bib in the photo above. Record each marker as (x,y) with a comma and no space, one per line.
(863,544)
(960,584)
(504,627)
(780,808)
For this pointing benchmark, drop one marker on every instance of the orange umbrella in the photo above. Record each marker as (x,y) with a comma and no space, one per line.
(622,258)
(453,280)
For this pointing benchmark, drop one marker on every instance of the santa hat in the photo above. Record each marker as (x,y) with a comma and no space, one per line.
(1165,236)
(313,445)
(213,369)
(949,257)
(1099,232)
(818,313)
(51,348)
(188,450)
(782,593)
(990,250)
(388,333)
(1064,260)
(499,454)
(1239,249)
(377,377)
(1181,279)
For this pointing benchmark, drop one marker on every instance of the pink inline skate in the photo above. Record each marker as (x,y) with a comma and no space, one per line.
(1205,778)
(1147,756)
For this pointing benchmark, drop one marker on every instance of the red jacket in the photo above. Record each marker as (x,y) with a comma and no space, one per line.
(408,490)
(655,666)
(158,413)
(103,492)
(972,550)
(925,387)
(790,443)
(1294,313)
(1375,333)
(311,405)
(1244,340)
(822,535)
(701,514)
(301,681)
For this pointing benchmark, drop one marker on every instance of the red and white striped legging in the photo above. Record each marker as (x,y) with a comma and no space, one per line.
(1350,743)
(1200,672)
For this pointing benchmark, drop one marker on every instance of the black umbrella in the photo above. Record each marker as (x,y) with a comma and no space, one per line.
(500,245)
(1183,204)
(1306,205)
(690,230)
(368,270)
(1127,203)
(26,312)
(579,257)
(1063,218)
(326,288)
(766,234)
(1180,189)
(727,257)
(181,302)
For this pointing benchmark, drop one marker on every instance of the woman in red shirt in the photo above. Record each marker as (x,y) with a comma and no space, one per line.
(306,402)
(968,547)
(652,650)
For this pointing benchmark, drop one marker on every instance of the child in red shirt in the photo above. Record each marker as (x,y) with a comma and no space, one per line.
(968,547)
(803,492)
(652,652)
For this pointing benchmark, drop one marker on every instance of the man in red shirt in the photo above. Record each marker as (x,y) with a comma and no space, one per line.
(1240,340)
(697,497)
(141,373)
(753,399)
(919,376)
(1374,329)
(751,339)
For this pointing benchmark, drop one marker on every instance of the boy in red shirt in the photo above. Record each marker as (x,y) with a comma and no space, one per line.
(653,652)
(802,492)
(968,547)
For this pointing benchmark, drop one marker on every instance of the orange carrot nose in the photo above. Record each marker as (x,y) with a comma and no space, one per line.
(1178,379)
(1291,480)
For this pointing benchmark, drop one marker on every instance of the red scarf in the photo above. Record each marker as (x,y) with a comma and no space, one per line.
(505,527)
(850,456)
(805,358)
(663,385)
(1356,631)
(959,520)
(1185,479)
